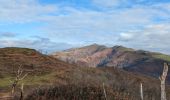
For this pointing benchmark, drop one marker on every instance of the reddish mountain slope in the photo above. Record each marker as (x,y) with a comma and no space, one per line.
(144,62)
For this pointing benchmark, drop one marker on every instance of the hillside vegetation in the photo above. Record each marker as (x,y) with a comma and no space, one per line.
(54,79)
(162,56)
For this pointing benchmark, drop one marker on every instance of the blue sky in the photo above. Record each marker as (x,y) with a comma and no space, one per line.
(54,25)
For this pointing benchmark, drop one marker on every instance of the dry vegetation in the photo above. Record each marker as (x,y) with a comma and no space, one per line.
(86,84)
(56,80)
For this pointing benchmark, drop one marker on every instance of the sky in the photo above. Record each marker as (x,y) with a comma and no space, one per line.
(54,25)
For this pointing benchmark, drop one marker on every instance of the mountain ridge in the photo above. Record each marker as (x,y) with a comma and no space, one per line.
(141,61)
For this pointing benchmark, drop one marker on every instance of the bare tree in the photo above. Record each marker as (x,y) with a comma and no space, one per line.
(19,76)
(163,79)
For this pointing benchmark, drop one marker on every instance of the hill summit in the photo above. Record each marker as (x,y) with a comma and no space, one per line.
(140,61)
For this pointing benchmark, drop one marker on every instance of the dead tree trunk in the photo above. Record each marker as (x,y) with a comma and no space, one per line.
(104,92)
(141,91)
(22,92)
(163,79)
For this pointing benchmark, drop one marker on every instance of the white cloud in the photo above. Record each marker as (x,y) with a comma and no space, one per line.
(154,37)
(107,3)
(98,25)
(44,44)
(19,11)
(7,34)
(126,37)
(89,25)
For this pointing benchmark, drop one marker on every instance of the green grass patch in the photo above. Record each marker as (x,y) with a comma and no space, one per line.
(5,82)
(29,80)
(162,56)
(39,79)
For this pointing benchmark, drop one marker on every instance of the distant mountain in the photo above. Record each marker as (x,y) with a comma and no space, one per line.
(145,62)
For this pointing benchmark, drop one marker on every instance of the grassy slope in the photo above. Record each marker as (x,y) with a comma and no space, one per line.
(162,56)
(38,66)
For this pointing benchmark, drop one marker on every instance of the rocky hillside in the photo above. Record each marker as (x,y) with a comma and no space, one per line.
(145,62)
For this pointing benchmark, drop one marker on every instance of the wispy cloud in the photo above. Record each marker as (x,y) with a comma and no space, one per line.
(7,34)
(153,37)
(42,43)
(134,23)
(107,3)
(20,11)
(81,23)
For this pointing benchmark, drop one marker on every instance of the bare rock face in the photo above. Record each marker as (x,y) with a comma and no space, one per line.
(120,57)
